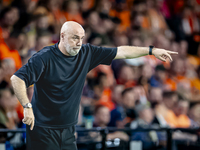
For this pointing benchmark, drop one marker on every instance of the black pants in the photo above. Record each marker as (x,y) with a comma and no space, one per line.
(50,139)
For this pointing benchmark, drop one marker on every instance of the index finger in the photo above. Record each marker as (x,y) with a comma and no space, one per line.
(32,124)
(170,52)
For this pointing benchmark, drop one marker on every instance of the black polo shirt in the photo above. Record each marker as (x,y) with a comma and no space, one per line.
(58,82)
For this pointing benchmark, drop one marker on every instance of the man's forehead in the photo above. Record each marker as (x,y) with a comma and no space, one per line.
(78,32)
(79,35)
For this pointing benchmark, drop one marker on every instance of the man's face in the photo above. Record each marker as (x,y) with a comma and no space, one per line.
(73,41)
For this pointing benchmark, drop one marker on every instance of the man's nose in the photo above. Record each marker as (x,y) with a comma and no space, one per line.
(79,43)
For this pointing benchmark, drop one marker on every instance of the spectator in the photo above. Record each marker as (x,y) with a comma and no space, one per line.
(8,49)
(146,74)
(155,95)
(42,24)
(122,13)
(194,115)
(126,76)
(169,99)
(43,39)
(28,25)
(8,17)
(116,95)
(8,114)
(145,116)
(102,117)
(196,85)
(178,116)
(144,120)
(102,91)
(87,5)
(119,117)
(161,79)
(164,108)
(72,12)
(116,117)
(8,68)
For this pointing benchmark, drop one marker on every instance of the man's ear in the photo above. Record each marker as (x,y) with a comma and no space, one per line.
(62,36)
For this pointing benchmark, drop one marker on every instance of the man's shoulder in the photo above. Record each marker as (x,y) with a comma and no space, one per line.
(86,49)
(89,46)
(86,46)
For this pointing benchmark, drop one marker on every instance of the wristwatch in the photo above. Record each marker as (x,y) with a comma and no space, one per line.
(150,49)
(28,105)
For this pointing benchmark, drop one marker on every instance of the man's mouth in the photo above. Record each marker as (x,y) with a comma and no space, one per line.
(76,49)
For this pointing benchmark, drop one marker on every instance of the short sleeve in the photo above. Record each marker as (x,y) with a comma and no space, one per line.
(31,71)
(101,55)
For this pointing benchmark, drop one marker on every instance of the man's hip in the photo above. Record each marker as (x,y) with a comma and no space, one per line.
(41,138)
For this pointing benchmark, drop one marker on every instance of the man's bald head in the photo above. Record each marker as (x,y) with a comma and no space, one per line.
(71,37)
(71,26)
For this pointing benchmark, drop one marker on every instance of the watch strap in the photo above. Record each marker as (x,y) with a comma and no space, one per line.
(150,49)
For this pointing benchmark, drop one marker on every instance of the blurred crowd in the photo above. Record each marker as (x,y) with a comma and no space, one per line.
(141,92)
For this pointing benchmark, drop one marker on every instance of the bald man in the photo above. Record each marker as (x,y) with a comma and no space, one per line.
(58,73)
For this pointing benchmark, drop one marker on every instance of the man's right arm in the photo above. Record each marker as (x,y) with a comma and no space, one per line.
(19,88)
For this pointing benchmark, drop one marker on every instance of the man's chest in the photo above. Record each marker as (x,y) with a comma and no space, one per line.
(59,72)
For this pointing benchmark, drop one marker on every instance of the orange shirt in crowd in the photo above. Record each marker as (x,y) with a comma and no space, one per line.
(181,121)
(170,85)
(181,78)
(106,99)
(20,110)
(196,83)
(194,60)
(74,17)
(124,16)
(5,52)
(58,15)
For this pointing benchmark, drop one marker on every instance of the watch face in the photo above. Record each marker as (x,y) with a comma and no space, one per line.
(29,105)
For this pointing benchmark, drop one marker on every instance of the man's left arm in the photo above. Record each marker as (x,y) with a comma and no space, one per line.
(128,52)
